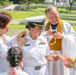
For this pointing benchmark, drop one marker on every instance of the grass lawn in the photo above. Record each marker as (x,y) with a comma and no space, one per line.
(67,15)
(20,15)
(15,28)
(74,27)
(18,26)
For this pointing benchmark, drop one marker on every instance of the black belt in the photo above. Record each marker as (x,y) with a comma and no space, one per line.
(37,67)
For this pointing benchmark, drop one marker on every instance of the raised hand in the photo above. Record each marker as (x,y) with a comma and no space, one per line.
(21,38)
(57,35)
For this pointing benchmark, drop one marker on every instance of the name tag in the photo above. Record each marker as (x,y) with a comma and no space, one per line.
(27,44)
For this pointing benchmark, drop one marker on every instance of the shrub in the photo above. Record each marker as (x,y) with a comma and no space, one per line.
(20,8)
(63,11)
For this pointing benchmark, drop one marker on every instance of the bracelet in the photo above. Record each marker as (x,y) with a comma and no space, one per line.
(53,42)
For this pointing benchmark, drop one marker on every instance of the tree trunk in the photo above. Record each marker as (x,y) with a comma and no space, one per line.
(28,4)
(71,3)
(70,6)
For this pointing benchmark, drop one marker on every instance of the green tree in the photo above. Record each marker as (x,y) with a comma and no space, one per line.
(16,1)
(19,1)
(3,2)
(71,3)
(41,1)
(27,1)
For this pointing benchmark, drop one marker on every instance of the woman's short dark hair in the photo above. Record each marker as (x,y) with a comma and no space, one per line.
(5,18)
(14,56)
(30,25)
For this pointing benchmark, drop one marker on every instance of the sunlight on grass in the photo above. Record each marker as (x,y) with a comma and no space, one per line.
(19,15)
(19,26)
(74,27)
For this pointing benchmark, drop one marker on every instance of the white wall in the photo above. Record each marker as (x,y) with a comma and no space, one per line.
(61,2)
(48,0)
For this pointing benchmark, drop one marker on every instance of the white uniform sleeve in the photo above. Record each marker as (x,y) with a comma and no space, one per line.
(48,52)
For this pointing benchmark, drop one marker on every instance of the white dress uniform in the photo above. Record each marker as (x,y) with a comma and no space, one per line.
(10,41)
(57,67)
(34,52)
(19,72)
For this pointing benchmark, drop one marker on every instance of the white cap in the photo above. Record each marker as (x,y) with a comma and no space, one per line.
(35,19)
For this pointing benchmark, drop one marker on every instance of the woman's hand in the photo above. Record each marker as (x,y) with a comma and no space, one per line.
(21,38)
(52,57)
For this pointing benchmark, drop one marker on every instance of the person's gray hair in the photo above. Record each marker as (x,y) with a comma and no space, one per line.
(50,7)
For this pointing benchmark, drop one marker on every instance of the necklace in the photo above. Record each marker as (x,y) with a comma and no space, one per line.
(3,39)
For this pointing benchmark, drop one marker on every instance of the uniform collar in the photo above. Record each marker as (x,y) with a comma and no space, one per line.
(29,37)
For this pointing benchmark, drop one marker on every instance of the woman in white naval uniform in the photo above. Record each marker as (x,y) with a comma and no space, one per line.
(5,41)
(36,50)
(14,57)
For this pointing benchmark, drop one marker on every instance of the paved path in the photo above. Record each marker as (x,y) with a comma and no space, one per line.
(10,7)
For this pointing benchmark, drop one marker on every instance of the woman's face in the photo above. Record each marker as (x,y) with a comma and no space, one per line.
(37,31)
(4,30)
(53,16)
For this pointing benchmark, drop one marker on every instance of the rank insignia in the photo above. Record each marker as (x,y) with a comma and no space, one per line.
(42,42)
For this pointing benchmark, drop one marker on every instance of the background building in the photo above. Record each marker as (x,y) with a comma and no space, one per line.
(58,2)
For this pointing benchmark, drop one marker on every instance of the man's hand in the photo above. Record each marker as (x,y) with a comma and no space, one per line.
(55,57)
(52,57)
(49,32)
(69,63)
(57,35)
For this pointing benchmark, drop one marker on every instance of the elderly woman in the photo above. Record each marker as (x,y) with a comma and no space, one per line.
(5,41)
